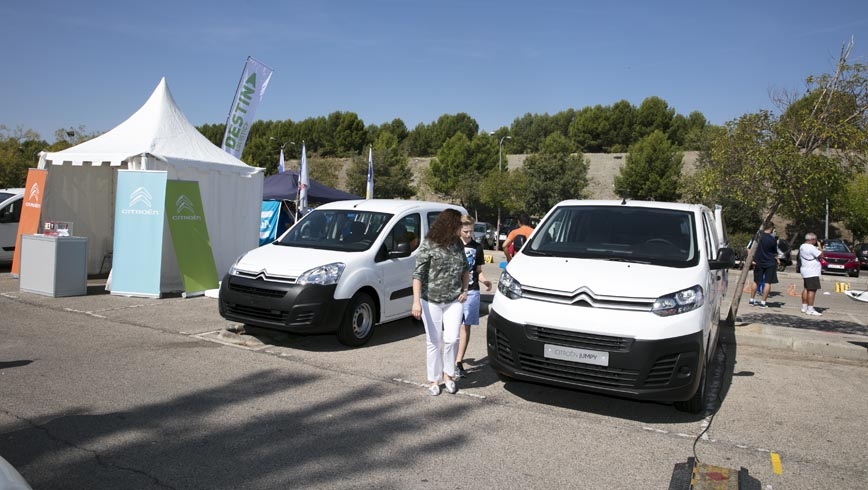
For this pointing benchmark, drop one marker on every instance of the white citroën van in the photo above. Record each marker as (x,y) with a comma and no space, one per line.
(11,201)
(343,268)
(617,297)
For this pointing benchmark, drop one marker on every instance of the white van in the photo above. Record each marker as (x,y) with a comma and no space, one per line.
(617,297)
(343,268)
(11,201)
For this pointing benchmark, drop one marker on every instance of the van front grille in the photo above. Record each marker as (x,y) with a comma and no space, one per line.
(578,372)
(578,339)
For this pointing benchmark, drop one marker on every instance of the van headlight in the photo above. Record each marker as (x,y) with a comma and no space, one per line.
(234,267)
(508,286)
(323,275)
(680,302)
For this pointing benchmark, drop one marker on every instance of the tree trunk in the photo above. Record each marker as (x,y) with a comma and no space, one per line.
(745,270)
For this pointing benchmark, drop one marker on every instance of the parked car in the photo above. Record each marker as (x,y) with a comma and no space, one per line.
(11,201)
(862,254)
(485,234)
(616,297)
(343,268)
(838,259)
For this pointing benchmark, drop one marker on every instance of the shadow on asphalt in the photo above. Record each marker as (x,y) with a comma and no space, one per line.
(804,323)
(385,333)
(183,441)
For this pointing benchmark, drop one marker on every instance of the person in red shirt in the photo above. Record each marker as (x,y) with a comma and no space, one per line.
(523,229)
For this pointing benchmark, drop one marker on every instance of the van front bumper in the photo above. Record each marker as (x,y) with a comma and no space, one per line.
(664,370)
(303,309)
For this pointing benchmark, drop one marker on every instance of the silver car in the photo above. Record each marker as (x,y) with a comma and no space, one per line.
(485,234)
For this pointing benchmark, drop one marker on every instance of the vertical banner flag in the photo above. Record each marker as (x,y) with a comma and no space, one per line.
(31,210)
(369,190)
(186,217)
(281,166)
(138,246)
(251,88)
(303,180)
(268,218)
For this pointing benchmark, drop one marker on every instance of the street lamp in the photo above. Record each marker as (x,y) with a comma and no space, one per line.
(282,144)
(499,176)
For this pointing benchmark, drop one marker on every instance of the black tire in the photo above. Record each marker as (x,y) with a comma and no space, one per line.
(781,267)
(696,403)
(854,273)
(357,326)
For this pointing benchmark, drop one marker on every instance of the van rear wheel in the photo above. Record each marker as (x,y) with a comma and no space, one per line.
(357,326)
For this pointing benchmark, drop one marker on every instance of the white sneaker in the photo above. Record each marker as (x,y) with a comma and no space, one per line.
(814,312)
(451,388)
(804,308)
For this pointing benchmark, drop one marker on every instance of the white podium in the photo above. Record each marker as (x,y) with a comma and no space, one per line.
(53,265)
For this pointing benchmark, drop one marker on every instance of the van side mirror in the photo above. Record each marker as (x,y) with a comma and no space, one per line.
(725,259)
(401,249)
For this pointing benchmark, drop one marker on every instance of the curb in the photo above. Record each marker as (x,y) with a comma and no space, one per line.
(840,346)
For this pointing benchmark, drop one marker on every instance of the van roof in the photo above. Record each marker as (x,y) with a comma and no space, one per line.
(389,205)
(638,204)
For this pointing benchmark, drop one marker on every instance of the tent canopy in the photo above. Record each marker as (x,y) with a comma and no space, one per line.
(285,187)
(82,181)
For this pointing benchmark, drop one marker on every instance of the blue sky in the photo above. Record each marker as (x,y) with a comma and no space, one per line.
(94,63)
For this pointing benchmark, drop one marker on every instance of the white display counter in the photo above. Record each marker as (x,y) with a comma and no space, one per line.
(53,265)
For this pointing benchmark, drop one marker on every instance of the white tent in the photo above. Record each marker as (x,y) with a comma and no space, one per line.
(81,184)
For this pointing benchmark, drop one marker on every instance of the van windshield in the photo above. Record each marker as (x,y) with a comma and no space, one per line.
(648,235)
(345,230)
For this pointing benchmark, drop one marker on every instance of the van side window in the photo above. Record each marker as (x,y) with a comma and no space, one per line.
(709,237)
(11,213)
(405,231)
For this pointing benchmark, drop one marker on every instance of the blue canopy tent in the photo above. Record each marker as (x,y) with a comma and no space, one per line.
(283,189)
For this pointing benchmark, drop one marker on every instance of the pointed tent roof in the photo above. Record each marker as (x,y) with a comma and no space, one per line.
(158,128)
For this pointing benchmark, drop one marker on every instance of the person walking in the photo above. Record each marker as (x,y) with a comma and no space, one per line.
(440,282)
(524,229)
(475,258)
(765,270)
(810,269)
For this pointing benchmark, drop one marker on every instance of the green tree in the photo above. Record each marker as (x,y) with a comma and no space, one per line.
(854,202)
(785,163)
(450,168)
(654,114)
(652,170)
(504,190)
(553,175)
(392,173)
(19,151)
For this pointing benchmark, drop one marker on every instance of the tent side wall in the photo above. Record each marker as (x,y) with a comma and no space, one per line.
(231,202)
(85,196)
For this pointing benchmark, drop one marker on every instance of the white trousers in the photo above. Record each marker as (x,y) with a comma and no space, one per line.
(442,323)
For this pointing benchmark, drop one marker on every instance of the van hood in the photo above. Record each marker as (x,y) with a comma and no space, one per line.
(280,260)
(602,277)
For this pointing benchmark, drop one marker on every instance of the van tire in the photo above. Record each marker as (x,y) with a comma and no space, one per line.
(696,403)
(357,326)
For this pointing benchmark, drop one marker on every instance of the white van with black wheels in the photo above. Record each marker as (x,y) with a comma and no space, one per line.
(343,268)
(11,201)
(616,297)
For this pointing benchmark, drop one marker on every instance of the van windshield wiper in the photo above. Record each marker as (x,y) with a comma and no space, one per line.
(623,259)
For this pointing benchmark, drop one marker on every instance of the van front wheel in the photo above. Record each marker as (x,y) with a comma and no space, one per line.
(696,403)
(357,326)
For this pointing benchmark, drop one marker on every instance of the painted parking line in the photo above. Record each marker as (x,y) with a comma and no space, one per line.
(776,463)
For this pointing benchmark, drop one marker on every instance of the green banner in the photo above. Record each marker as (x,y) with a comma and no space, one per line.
(190,238)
